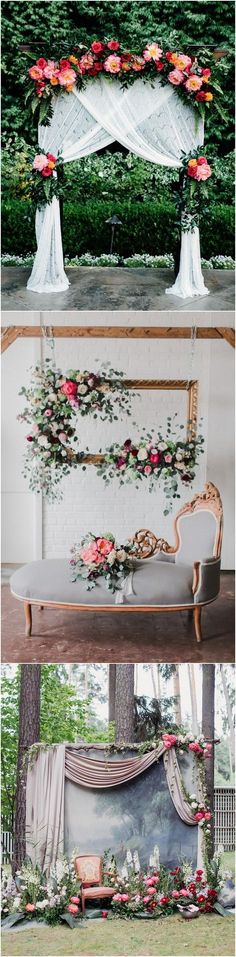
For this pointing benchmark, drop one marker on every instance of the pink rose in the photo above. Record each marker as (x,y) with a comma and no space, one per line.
(67,77)
(168,457)
(75,900)
(113,45)
(208,816)
(203,171)
(35,73)
(176,77)
(194,746)
(104,546)
(30,908)
(146,900)
(147,470)
(69,388)
(117,897)
(175,894)
(40,161)
(183,892)
(73,909)
(51,69)
(89,554)
(62,437)
(48,413)
(169,740)
(151,890)
(125,897)
(199,816)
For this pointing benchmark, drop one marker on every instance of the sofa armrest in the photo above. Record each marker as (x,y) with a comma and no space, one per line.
(206,579)
(147,544)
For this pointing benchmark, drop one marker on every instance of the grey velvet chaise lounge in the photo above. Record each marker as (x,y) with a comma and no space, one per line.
(183,576)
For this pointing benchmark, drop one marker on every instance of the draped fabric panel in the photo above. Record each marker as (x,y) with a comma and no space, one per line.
(151,121)
(45,791)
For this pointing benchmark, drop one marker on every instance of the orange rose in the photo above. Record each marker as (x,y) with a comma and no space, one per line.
(208,97)
(54,81)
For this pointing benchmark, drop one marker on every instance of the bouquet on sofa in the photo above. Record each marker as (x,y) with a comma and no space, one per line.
(101,556)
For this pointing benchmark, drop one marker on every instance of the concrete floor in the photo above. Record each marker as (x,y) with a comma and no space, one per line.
(67,636)
(116,288)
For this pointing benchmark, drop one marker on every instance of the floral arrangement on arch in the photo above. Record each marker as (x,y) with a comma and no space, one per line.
(194,81)
(43,177)
(52,402)
(151,458)
(191,194)
(100,556)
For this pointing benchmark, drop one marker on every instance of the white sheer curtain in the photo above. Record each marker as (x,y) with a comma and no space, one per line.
(149,120)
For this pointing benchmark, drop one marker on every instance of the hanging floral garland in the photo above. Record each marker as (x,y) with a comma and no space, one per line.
(101,557)
(192,80)
(151,458)
(53,400)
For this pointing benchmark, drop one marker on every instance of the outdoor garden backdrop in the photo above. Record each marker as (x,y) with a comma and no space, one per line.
(114,181)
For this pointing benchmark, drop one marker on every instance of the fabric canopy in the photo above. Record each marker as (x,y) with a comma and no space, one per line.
(46,789)
(148,119)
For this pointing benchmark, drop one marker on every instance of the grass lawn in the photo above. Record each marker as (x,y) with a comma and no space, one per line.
(209,935)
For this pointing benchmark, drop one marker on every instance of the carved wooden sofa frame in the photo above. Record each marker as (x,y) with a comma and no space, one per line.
(205,571)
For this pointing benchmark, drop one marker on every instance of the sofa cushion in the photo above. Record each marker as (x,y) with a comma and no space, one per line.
(154,583)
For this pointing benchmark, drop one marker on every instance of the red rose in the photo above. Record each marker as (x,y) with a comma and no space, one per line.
(201,96)
(159,66)
(98,67)
(126,57)
(104,913)
(69,388)
(113,45)
(168,56)
(206,73)
(165,900)
(46,171)
(207,907)
(154,457)
(212,894)
(52,158)
(97,47)
(201,899)
(65,65)
(41,63)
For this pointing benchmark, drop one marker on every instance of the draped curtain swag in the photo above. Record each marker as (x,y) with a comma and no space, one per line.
(151,121)
(46,786)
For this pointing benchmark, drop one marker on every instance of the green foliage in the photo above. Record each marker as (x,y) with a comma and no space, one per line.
(148,227)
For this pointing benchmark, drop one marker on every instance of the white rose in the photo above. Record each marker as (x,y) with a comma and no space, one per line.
(52,397)
(179,456)
(162,446)
(194,805)
(121,555)
(43,441)
(111,557)
(82,389)
(192,797)
(142,455)
(180,466)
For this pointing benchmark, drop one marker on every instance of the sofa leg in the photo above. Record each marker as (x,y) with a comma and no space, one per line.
(28,619)
(197,611)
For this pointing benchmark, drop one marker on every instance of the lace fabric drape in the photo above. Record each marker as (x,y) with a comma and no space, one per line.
(151,121)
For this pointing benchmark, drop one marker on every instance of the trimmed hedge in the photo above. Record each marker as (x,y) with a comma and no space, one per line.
(147,227)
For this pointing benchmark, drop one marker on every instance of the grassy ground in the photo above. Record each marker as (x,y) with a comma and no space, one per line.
(210,936)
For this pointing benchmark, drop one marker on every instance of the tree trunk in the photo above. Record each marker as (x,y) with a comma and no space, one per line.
(159,684)
(229,719)
(29,732)
(193,696)
(136,680)
(176,688)
(111,693)
(208,729)
(153,677)
(125,703)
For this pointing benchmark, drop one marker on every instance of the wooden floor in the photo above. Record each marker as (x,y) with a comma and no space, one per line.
(72,636)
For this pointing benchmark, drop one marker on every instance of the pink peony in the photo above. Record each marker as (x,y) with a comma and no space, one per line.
(184,892)
(194,746)
(176,77)
(180,61)
(35,73)
(40,161)
(89,554)
(193,83)
(169,740)
(203,171)
(104,546)
(117,897)
(152,52)
(112,64)
(50,70)
(67,77)
(124,897)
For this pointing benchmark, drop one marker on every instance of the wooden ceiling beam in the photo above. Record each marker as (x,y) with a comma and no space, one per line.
(11,333)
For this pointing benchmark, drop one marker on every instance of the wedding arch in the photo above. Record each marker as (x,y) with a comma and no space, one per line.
(154,116)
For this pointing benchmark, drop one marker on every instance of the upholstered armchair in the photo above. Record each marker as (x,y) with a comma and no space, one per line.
(189,576)
(89,870)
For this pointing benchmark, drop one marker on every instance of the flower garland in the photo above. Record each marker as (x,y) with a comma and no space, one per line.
(100,556)
(150,459)
(53,400)
(193,81)
(43,176)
